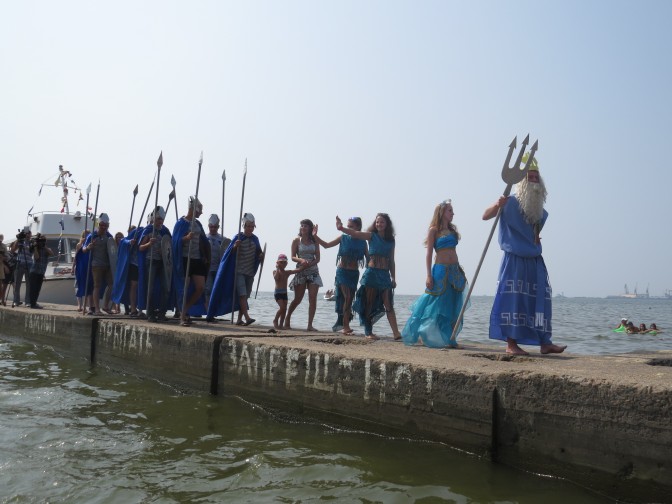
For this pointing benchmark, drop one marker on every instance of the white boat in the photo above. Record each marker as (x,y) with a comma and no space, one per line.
(330,295)
(630,295)
(62,230)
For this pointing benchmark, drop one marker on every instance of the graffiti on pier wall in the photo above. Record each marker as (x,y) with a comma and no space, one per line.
(125,338)
(293,369)
(40,323)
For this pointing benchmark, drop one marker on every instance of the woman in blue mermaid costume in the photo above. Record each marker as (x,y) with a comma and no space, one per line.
(352,255)
(375,295)
(434,314)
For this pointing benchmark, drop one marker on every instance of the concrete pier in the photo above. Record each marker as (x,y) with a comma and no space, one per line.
(603,422)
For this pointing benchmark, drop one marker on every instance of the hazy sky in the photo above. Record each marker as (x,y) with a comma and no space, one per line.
(353,108)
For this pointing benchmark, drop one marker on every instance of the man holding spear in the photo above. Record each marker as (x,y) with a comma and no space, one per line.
(521,313)
(191,257)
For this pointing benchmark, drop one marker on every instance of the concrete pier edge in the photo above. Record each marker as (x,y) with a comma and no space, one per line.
(604,422)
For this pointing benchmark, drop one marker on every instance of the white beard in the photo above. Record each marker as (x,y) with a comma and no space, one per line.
(531,198)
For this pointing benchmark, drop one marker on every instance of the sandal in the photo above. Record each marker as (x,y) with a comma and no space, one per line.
(185,323)
(251,321)
(108,311)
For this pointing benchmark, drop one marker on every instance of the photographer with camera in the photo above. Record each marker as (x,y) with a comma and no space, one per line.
(41,254)
(21,247)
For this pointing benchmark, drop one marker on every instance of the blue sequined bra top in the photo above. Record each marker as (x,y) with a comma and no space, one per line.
(445,241)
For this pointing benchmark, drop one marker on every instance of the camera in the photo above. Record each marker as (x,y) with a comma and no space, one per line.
(38,241)
(21,235)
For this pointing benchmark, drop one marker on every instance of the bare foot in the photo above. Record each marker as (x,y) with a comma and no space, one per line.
(551,348)
(347,331)
(287,326)
(514,349)
(397,337)
(372,337)
(275,325)
(312,329)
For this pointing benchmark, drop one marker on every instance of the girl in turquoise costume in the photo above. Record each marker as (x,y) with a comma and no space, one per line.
(375,295)
(352,255)
(434,314)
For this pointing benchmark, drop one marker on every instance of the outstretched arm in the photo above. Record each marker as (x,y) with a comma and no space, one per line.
(324,244)
(361,235)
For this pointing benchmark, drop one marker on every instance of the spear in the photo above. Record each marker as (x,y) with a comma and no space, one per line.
(240,223)
(159,164)
(510,176)
(130,221)
(86,214)
(88,265)
(261,268)
(174,194)
(223,190)
(191,230)
(144,208)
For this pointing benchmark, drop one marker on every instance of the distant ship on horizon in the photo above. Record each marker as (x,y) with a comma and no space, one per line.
(628,295)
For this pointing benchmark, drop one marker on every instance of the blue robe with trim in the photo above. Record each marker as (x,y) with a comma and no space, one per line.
(182,227)
(222,299)
(522,307)
(142,273)
(121,290)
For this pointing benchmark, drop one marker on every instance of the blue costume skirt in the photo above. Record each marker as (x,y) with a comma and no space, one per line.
(371,310)
(433,315)
(345,279)
(522,307)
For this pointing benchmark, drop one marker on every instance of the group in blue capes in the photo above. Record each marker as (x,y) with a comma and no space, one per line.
(122,292)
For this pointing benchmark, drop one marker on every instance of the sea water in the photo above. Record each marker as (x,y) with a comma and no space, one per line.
(72,433)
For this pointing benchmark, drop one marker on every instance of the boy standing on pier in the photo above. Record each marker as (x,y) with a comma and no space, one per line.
(281,276)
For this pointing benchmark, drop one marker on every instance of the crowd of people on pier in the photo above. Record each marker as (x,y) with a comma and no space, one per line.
(194,273)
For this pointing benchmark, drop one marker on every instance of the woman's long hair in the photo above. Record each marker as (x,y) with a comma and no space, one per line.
(437,220)
(389,229)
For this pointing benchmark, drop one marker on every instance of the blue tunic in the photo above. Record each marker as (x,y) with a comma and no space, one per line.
(434,314)
(522,307)
(377,280)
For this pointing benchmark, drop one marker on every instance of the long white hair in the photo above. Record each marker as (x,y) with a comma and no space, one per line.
(531,198)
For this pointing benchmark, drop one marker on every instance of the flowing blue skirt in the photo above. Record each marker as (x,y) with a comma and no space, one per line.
(522,307)
(433,315)
(370,310)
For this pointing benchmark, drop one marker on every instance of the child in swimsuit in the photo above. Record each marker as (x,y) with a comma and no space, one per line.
(281,276)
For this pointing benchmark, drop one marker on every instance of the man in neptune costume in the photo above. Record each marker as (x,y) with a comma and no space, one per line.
(521,313)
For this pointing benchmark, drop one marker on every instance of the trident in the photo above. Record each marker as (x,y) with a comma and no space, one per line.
(510,175)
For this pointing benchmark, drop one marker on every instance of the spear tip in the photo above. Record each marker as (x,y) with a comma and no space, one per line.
(513,144)
(527,139)
(535,145)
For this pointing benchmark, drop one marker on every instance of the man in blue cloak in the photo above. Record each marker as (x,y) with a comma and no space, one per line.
(239,264)
(191,258)
(521,312)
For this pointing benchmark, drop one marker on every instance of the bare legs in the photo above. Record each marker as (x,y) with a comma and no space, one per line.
(347,309)
(299,291)
(279,319)
(198,281)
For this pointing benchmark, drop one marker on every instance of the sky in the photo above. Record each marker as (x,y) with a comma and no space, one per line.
(351,108)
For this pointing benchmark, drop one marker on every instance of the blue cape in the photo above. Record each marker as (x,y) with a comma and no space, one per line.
(81,267)
(182,227)
(121,288)
(222,300)
(142,272)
